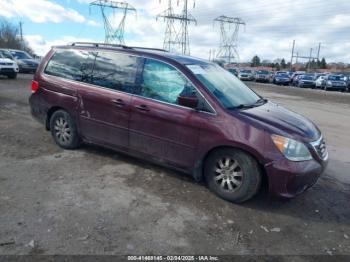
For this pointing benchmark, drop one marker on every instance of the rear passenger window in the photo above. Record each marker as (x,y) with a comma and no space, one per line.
(115,71)
(71,64)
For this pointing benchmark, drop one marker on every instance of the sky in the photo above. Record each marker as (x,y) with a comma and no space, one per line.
(271,25)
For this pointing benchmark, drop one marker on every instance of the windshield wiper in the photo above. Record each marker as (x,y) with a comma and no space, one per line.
(258,102)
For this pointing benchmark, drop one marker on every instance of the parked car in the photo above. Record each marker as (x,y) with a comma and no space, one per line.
(320,81)
(294,78)
(233,71)
(178,111)
(26,63)
(262,76)
(246,75)
(8,67)
(281,79)
(307,80)
(335,82)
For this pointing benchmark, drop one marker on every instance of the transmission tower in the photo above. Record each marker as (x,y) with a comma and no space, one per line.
(229,27)
(177,39)
(113,34)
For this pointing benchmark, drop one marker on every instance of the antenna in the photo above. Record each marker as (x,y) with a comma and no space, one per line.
(112,34)
(229,27)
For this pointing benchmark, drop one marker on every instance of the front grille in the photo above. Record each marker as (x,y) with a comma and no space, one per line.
(320,148)
(6,63)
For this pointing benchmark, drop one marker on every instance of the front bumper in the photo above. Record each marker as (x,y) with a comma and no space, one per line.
(288,179)
(27,67)
(8,70)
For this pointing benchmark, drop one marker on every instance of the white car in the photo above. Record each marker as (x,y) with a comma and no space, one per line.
(320,81)
(8,65)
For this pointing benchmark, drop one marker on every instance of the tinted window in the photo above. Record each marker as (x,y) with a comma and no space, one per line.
(21,55)
(115,71)
(71,64)
(163,82)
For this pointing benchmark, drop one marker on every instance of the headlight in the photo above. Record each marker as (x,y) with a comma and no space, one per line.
(291,149)
(329,83)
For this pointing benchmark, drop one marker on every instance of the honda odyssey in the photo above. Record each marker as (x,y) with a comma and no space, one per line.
(179,111)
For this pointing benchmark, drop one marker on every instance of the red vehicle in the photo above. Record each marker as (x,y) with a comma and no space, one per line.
(179,111)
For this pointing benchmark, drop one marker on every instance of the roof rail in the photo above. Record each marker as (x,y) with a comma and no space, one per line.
(114,45)
(98,44)
(148,48)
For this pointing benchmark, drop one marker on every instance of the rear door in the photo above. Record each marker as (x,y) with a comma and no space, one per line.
(159,126)
(105,104)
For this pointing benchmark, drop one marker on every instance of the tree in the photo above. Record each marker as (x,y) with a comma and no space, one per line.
(9,38)
(283,63)
(255,61)
(323,63)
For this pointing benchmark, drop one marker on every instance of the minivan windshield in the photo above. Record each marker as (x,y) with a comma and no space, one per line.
(227,88)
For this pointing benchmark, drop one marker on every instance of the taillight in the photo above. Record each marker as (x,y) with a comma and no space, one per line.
(35,86)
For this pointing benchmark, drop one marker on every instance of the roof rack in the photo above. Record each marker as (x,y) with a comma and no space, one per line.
(98,44)
(148,48)
(114,45)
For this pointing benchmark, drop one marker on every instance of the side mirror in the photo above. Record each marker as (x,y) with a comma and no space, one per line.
(188,101)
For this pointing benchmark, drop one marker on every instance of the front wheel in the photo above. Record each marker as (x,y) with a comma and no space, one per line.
(232,174)
(64,130)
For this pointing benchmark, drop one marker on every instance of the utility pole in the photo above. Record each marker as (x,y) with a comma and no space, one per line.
(21,34)
(310,59)
(177,40)
(291,59)
(318,51)
(113,34)
(229,27)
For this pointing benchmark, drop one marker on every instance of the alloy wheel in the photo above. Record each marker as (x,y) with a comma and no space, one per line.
(228,174)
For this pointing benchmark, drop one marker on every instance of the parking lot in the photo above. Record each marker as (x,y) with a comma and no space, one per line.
(96,201)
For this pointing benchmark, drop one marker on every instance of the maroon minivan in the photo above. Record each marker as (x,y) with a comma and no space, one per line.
(179,111)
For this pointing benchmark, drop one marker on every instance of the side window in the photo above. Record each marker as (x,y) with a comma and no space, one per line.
(115,71)
(71,64)
(163,82)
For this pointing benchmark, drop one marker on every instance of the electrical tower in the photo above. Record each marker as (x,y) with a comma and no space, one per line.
(229,27)
(113,34)
(310,57)
(177,39)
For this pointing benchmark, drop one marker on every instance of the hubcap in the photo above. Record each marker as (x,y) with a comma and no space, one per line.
(228,174)
(62,130)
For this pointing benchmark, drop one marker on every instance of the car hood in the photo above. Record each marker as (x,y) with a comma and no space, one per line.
(278,120)
(6,60)
(29,61)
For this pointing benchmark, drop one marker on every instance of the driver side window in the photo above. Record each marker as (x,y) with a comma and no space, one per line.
(163,82)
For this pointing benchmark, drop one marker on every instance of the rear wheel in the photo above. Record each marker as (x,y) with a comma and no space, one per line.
(64,130)
(232,174)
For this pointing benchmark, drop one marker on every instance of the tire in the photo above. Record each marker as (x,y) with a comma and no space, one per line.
(64,130)
(246,181)
(12,76)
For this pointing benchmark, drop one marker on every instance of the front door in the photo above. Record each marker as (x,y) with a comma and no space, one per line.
(159,126)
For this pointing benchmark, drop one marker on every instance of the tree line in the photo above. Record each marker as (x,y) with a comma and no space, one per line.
(10,38)
(314,64)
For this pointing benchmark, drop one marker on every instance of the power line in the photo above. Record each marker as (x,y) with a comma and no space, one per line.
(112,34)
(173,39)
(229,27)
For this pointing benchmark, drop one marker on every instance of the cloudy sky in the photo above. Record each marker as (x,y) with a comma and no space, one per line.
(271,25)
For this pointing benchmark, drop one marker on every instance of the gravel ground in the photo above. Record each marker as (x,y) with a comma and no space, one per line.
(96,201)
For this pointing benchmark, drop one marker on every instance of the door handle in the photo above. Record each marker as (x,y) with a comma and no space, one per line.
(118,102)
(142,107)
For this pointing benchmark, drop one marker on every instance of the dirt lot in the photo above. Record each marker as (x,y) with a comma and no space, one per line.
(95,201)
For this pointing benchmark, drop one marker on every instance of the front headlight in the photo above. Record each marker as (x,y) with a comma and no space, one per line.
(329,83)
(291,149)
